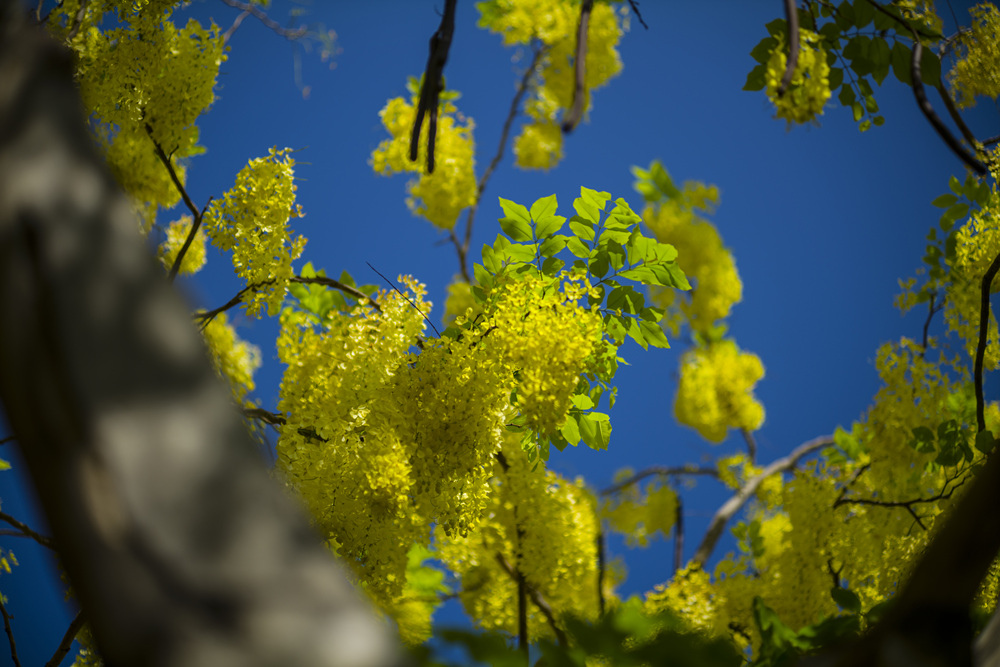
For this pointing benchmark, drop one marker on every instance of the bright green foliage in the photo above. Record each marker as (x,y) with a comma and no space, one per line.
(977,70)
(552,26)
(251,219)
(441,196)
(422,460)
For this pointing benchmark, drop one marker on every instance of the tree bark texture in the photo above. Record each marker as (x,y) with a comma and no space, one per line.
(180,546)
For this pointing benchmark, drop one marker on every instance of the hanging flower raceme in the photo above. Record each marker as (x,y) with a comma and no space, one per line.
(715,391)
(977,70)
(439,197)
(809,88)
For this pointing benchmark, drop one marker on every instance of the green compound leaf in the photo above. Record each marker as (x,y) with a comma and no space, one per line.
(516,222)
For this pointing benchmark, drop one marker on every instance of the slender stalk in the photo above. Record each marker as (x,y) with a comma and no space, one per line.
(984,326)
(660,471)
(792,18)
(10,633)
(572,119)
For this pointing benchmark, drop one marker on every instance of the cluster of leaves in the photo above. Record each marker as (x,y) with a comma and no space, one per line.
(862,44)
(610,252)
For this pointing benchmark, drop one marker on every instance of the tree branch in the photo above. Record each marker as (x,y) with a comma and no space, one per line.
(601,566)
(463,247)
(278,419)
(792,18)
(10,633)
(906,504)
(26,531)
(956,116)
(180,546)
(635,8)
(925,106)
(433,84)
(679,534)
(751,444)
(572,119)
(261,15)
(984,326)
(67,641)
(736,502)
(196,222)
(660,471)
(536,599)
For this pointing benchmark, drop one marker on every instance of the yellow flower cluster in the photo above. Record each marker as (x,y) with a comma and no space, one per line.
(460,302)
(553,23)
(701,255)
(149,73)
(545,336)
(810,86)
(715,391)
(382,442)
(538,146)
(638,518)
(689,595)
(977,243)
(251,219)
(177,232)
(977,70)
(234,359)
(540,525)
(441,196)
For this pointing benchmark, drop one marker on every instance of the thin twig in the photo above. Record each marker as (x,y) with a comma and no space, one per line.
(278,419)
(9,438)
(337,285)
(196,223)
(931,310)
(260,15)
(932,117)
(751,444)
(635,8)
(463,248)
(536,599)
(678,534)
(900,20)
(27,531)
(67,641)
(237,22)
(792,18)
(408,300)
(906,504)
(10,633)
(430,91)
(992,140)
(572,118)
(984,325)
(206,316)
(736,502)
(38,11)
(661,471)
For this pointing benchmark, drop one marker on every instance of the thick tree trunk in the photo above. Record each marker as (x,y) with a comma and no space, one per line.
(179,545)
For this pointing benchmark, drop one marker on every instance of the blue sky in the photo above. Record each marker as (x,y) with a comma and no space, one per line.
(822,221)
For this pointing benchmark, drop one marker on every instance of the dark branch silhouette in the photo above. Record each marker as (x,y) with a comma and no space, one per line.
(575,113)
(433,84)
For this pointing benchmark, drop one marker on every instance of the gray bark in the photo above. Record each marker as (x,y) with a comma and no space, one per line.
(179,545)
